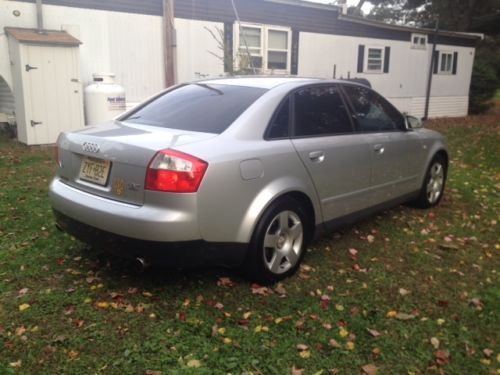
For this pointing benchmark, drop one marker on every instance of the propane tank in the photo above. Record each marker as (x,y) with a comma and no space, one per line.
(104,99)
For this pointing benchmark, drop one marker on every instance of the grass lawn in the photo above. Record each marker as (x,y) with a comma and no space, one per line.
(420,294)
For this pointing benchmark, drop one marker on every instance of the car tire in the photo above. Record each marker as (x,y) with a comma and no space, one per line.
(278,243)
(432,189)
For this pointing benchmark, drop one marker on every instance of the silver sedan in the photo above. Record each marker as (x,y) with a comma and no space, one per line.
(242,171)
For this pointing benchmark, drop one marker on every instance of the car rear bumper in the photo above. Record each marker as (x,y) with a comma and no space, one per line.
(186,253)
(150,222)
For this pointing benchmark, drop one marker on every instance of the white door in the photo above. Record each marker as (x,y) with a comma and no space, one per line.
(53,92)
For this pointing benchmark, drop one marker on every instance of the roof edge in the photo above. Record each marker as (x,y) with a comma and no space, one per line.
(307,4)
(455,34)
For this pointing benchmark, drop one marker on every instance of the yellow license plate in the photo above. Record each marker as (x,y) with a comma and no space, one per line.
(95,170)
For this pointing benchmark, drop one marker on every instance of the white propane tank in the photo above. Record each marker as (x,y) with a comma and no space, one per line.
(104,99)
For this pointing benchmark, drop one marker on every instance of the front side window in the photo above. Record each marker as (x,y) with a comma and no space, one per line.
(375,60)
(199,107)
(320,111)
(265,48)
(373,113)
(446,63)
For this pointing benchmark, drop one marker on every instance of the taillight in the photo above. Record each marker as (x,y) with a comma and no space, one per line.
(174,171)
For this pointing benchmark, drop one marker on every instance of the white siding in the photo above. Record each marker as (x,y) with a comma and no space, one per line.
(195,49)
(129,45)
(405,84)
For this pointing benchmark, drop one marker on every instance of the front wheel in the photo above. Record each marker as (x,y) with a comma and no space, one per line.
(278,243)
(433,187)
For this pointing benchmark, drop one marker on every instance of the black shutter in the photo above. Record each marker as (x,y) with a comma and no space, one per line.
(387,57)
(361,56)
(228,47)
(435,61)
(295,52)
(455,62)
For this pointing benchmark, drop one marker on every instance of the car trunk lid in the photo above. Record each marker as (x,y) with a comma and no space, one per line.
(111,160)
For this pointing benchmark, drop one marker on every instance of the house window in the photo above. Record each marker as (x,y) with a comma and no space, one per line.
(268,47)
(374,61)
(419,41)
(446,63)
(251,39)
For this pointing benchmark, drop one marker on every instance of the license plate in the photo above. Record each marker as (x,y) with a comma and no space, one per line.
(95,170)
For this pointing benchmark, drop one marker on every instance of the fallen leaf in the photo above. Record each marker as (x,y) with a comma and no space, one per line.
(22,292)
(260,290)
(225,282)
(487,352)
(370,238)
(16,364)
(404,316)
(373,332)
(69,310)
(297,371)
(334,344)
(305,354)
(24,306)
(193,363)
(302,347)
(442,357)
(349,345)
(20,331)
(102,305)
(219,306)
(280,290)
(343,332)
(73,354)
(391,314)
(435,342)
(404,291)
(369,369)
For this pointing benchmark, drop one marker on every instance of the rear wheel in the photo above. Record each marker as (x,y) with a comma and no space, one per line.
(434,182)
(278,243)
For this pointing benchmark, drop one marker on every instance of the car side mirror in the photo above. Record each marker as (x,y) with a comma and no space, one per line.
(413,122)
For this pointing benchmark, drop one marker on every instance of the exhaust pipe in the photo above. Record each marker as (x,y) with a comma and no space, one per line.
(141,264)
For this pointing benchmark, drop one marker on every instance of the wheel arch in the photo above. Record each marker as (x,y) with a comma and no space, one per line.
(262,202)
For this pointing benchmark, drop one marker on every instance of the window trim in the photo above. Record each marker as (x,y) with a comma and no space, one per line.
(440,62)
(419,46)
(264,36)
(382,59)
(276,112)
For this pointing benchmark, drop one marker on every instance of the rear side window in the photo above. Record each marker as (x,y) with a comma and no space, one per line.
(320,111)
(373,113)
(278,127)
(207,108)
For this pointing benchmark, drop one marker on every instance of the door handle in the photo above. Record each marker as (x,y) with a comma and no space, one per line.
(379,149)
(317,156)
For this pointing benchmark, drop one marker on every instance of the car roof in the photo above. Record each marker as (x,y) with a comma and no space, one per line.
(260,82)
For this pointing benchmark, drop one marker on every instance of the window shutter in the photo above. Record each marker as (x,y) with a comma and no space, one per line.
(387,57)
(228,47)
(295,52)
(435,60)
(455,62)
(361,56)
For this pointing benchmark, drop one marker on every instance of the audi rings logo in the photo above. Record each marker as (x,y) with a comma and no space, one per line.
(90,147)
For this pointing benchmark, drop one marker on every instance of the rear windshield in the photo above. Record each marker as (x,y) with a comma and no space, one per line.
(198,107)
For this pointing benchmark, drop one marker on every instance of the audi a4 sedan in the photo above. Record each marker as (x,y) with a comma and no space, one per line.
(242,171)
